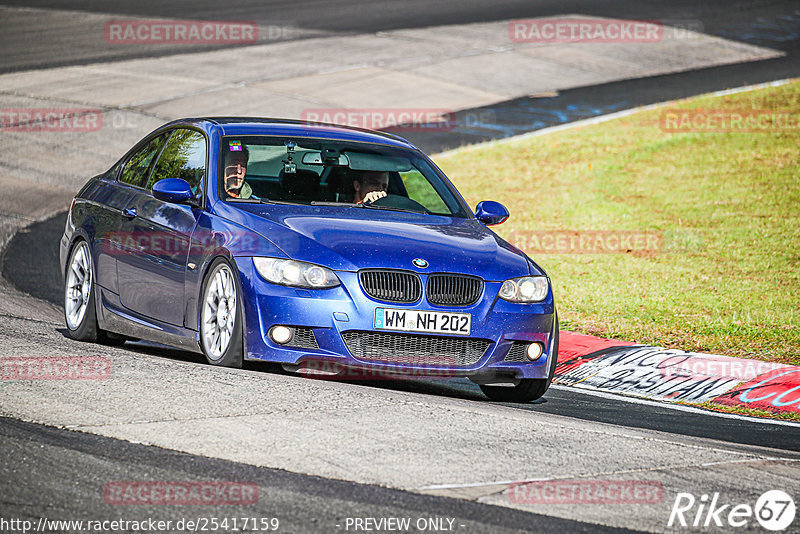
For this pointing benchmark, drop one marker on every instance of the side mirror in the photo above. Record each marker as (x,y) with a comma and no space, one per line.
(173,190)
(490,212)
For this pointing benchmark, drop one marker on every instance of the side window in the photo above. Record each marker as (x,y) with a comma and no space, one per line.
(112,173)
(420,190)
(184,156)
(137,167)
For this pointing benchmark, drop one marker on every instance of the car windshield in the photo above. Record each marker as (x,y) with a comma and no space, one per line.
(328,172)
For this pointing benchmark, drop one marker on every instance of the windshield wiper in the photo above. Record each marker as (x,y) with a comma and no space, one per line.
(331,203)
(264,201)
(282,202)
(389,208)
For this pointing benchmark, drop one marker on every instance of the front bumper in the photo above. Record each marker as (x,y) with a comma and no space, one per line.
(330,313)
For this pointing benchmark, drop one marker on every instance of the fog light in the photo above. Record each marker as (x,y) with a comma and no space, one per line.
(281,334)
(534,351)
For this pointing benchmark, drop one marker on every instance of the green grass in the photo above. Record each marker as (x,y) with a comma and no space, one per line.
(727,276)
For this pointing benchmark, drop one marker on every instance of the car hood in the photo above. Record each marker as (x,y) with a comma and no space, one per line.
(350,239)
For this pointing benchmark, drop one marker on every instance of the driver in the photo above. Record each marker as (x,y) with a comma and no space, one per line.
(370,186)
(235,170)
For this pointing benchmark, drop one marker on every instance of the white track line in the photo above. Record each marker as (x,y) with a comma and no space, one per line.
(592,476)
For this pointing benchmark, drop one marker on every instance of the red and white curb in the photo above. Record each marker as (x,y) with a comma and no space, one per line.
(674,375)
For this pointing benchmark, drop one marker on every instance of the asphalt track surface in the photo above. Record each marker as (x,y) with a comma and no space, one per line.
(301,503)
(759,21)
(42,476)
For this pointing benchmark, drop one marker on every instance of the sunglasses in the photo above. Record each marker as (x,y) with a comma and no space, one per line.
(239,167)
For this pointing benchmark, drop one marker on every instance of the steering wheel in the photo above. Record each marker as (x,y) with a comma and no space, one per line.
(400,202)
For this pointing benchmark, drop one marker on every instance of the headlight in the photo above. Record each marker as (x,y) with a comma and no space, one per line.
(525,289)
(295,273)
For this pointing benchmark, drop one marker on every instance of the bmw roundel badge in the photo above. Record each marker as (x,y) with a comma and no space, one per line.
(419,262)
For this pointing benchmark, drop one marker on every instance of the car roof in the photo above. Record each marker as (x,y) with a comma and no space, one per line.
(295,128)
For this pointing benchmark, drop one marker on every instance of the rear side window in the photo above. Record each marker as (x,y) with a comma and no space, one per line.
(184,156)
(113,172)
(138,166)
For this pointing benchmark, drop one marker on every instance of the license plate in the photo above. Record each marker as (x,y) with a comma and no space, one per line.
(422,321)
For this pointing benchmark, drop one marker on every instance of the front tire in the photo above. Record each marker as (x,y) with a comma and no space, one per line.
(528,389)
(221,317)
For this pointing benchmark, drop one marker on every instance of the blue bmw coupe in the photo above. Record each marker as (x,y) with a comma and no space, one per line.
(300,243)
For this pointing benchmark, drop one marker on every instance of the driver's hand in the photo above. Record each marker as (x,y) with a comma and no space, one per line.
(372,196)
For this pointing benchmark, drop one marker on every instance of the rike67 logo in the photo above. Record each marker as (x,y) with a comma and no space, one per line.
(774,510)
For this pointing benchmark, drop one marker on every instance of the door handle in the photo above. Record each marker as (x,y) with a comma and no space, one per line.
(129,213)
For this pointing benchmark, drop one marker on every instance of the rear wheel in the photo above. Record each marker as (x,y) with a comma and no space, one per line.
(80,313)
(220,317)
(79,310)
(528,389)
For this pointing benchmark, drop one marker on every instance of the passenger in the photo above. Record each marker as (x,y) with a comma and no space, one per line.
(370,186)
(235,170)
